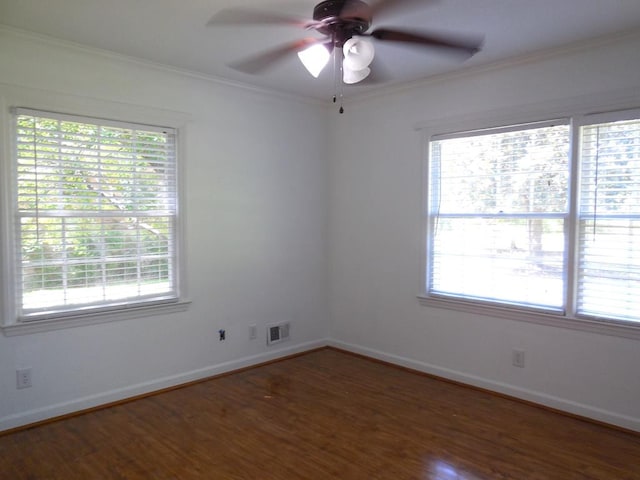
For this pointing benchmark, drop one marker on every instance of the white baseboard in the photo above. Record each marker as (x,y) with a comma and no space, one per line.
(540,398)
(105,398)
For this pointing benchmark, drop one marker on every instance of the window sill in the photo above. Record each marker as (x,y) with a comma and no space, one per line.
(94,318)
(558,320)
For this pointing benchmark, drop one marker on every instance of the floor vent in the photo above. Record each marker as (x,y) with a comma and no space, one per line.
(277,333)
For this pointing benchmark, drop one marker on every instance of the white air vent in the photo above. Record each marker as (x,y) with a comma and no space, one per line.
(277,333)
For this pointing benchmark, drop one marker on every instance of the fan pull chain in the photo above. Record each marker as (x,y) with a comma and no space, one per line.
(341,86)
(335,70)
(337,75)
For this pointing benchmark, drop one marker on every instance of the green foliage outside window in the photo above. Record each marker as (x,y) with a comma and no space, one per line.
(96,206)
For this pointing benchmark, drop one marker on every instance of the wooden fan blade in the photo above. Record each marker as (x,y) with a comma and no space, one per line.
(264,60)
(250,16)
(374,9)
(464,45)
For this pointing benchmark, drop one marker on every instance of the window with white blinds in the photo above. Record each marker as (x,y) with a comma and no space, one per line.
(95,214)
(520,217)
(498,208)
(609,220)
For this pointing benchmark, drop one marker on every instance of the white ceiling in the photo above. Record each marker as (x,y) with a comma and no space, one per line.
(174,32)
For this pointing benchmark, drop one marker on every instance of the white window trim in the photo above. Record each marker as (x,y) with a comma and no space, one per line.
(521,314)
(49,101)
(95,317)
(580,110)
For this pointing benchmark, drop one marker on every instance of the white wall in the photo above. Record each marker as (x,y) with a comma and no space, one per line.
(376,241)
(256,204)
(274,232)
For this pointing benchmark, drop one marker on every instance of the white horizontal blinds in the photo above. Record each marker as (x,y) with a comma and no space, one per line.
(96,212)
(498,205)
(609,221)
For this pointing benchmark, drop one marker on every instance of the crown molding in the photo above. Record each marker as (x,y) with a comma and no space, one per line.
(519,60)
(161,67)
(351,99)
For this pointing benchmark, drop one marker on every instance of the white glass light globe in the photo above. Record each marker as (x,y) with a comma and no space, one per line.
(358,53)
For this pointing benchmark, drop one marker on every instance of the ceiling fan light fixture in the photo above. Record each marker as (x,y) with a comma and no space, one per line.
(358,53)
(354,76)
(314,58)
(345,25)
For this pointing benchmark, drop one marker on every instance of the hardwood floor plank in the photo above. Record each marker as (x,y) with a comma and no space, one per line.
(323,415)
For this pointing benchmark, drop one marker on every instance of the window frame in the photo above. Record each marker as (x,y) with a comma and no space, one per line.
(581,122)
(562,216)
(88,109)
(566,317)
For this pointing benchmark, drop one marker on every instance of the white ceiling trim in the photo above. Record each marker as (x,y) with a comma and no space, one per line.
(119,57)
(464,72)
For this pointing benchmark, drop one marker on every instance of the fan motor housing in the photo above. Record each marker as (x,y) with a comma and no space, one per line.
(339,24)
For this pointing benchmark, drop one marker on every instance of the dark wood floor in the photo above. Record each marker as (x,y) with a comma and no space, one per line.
(323,415)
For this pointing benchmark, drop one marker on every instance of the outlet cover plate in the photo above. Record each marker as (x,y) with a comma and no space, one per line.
(23,378)
(517,358)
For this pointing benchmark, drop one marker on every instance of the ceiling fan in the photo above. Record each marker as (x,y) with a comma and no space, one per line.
(344,28)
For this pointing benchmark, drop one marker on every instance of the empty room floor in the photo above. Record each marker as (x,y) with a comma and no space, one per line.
(324,414)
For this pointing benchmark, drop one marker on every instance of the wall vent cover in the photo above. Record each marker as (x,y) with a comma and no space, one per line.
(277,333)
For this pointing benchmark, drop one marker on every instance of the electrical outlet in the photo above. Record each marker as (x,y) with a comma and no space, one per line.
(23,377)
(222,334)
(253,332)
(517,358)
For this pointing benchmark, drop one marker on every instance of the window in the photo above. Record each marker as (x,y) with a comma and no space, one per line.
(608,265)
(519,217)
(95,215)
